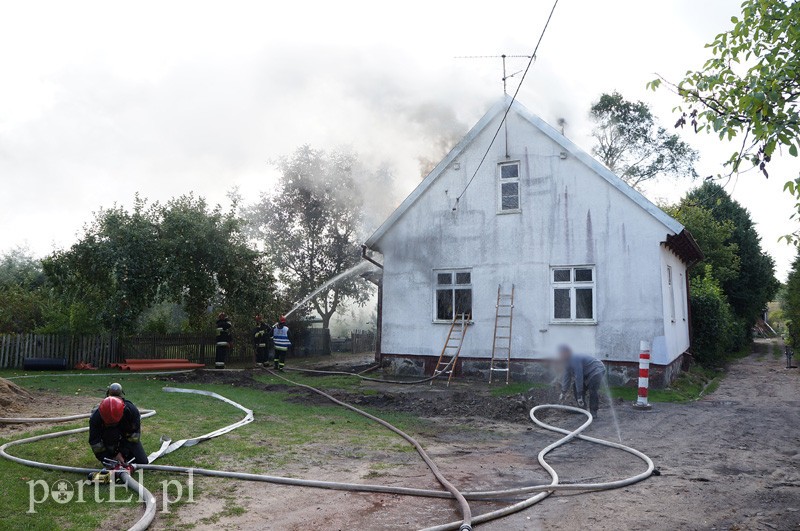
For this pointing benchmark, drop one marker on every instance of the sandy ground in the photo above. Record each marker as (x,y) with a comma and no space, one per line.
(728,461)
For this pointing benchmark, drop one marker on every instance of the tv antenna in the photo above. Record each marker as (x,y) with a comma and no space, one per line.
(506,75)
(505,78)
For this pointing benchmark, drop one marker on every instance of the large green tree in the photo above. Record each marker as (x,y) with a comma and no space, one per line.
(631,144)
(754,285)
(310,226)
(22,292)
(748,89)
(714,238)
(183,252)
(790,303)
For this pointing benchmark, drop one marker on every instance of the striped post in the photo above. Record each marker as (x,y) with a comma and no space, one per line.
(644,375)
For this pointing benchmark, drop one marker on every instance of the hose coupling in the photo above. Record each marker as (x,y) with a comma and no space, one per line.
(465,527)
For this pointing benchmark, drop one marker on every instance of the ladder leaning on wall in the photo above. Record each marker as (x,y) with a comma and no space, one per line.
(452,348)
(503,319)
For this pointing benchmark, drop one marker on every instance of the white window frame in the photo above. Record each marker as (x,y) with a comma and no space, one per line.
(572,285)
(671,290)
(501,181)
(452,287)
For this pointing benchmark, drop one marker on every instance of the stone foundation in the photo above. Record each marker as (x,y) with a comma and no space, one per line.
(534,371)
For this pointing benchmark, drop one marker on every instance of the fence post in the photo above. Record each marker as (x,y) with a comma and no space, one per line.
(644,376)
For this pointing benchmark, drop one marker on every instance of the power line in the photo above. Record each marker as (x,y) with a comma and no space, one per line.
(508,109)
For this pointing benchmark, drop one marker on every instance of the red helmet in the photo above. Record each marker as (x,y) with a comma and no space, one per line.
(282,319)
(111,409)
(222,316)
(259,318)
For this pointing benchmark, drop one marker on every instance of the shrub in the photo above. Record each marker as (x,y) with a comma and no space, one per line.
(716,330)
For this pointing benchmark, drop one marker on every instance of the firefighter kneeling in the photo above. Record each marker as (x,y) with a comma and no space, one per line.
(115,430)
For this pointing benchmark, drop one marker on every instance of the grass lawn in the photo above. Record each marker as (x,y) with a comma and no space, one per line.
(284,431)
(691,385)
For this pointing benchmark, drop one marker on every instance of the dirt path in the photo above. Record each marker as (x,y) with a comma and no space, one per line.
(728,461)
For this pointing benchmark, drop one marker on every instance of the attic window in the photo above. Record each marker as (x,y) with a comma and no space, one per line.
(508,187)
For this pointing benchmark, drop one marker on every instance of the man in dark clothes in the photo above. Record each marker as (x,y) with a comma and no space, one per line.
(115,431)
(261,334)
(586,372)
(224,340)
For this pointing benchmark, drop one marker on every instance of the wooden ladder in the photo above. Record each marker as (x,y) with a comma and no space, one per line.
(501,343)
(452,348)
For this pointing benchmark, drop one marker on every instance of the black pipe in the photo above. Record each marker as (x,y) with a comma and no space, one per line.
(368,258)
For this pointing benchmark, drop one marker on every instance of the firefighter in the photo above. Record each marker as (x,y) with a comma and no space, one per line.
(586,374)
(280,337)
(261,334)
(224,340)
(115,431)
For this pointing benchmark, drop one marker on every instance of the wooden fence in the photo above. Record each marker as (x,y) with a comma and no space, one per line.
(97,350)
(362,341)
(100,351)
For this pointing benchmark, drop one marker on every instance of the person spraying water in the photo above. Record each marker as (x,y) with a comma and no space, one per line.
(586,374)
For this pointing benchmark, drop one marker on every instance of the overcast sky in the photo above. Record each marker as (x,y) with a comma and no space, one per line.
(101,100)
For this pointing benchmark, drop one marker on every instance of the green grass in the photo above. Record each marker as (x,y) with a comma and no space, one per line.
(686,388)
(288,430)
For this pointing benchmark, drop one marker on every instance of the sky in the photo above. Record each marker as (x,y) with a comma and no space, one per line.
(101,100)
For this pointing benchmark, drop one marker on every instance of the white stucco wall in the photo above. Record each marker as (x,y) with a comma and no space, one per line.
(569,216)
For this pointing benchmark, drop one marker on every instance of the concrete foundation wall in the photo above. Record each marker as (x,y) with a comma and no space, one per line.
(534,371)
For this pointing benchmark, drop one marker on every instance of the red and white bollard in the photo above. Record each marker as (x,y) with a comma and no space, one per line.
(644,376)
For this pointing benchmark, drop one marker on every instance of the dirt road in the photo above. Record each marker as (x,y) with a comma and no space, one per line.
(729,461)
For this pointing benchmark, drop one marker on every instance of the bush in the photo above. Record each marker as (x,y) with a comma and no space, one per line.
(716,330)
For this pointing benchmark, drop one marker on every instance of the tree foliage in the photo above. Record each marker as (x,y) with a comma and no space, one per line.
(715,328)
(310,226)
(22,293)
(755,284)
(749,87)
(182,252)
(790,303)
(631,144)
(714,238)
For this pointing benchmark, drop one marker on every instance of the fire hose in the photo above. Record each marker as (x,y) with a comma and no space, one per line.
(542,490)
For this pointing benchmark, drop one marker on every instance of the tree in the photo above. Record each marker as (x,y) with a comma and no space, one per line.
(206,262)
(755,284)
(22,293)
(310,227)
(713,237)
(790,303)
(114,270)
(714,327)
(750,85)
(181,252)
(630,143)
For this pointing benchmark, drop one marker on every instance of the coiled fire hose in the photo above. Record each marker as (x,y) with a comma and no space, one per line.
(543,490)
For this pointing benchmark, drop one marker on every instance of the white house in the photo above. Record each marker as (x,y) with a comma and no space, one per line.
(593,262)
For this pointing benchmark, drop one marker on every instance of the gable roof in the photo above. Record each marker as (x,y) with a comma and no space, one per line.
(497,110)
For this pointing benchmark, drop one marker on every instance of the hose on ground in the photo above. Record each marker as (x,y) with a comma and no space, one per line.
(360,375)
(543,490)
(466,512)
(150,503)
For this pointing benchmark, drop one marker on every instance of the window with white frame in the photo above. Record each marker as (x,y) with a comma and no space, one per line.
(508,187)
(573,294)
(671,294)
(452,294)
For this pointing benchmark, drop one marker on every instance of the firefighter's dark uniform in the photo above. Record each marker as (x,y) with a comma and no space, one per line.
(261,334)
(224,339)
(122,438)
